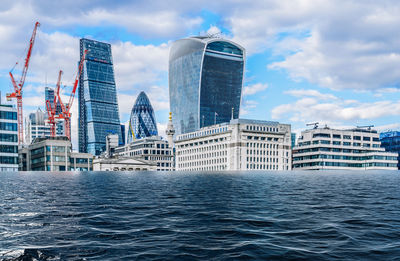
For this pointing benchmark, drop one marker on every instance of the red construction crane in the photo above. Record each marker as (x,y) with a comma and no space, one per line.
(17,94)
(51,110)
(65,109)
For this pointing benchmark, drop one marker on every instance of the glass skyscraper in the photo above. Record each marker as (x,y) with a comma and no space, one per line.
(98,106)
(8,138)
(205,82)
(390,140)
(142,123)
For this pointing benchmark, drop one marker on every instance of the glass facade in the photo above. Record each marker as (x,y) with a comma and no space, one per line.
(142,123)
(98,106)
(205,82)
(391,142)
(8,138)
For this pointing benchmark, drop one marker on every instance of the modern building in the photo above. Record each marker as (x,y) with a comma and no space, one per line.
(49,96)
(142,123)
(150,149)
(326,148)
(239,145)
(8,138)
(205,82)
(390,140)
(35,126)
(53,154)
(98,105)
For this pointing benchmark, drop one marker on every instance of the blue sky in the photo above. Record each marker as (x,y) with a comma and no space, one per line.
(335,62)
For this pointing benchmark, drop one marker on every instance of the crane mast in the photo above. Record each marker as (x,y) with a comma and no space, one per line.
(17,94)
(65,109)
(51,110)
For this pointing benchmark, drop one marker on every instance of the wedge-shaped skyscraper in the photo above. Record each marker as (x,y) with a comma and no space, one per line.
(98,105)
(205,82)
(142,123)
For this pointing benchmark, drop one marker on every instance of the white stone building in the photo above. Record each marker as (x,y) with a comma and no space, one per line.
(326,148)
(239,145)
(150,149)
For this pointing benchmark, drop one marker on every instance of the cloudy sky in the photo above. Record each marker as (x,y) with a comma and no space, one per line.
(336,62)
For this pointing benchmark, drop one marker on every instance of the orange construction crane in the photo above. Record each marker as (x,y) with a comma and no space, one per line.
(51,110)
(65,108)
(17,94)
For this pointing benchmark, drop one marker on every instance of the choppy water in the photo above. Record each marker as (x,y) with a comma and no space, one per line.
(204,216)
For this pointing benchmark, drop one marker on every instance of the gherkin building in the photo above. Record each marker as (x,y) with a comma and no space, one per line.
(142,123)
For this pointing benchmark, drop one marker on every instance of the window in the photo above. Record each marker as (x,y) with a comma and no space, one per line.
(336,136)
(356,137)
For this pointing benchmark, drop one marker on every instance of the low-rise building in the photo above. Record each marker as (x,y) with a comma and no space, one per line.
(326,148)
(390,140)
(8,138)
(53,154)
(150,149)
(122,164)
(240,144)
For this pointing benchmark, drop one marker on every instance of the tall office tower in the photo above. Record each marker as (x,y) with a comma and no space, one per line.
(142,123)
(49,95)
(8,138)
(205,82)
(98,105)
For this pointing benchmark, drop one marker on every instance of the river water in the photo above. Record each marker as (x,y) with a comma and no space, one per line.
(200,216)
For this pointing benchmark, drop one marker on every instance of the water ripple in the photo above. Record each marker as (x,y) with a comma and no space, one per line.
(203,216)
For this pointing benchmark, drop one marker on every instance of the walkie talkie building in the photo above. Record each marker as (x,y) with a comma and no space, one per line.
(142,123)
(98,105)
(205,82)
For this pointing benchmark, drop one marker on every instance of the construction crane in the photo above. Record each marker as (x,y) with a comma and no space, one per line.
(314,123)
(51,110)
(17,94)
(65,108)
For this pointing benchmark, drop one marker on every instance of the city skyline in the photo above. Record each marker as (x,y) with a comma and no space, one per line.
(304,62)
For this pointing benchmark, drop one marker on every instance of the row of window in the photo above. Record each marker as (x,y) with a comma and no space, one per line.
(8,149)
(341,157)
(261,128)
(205,149)
(8,115)
(338,143)
(332,150)
(263,159)
(342,164)
(262,138)
(8,160)
(190,164)
(345,137)
(202,133)
(8,137)
(8,126)
(200,143)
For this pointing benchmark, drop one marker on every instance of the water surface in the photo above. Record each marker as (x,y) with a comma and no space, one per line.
(200,216)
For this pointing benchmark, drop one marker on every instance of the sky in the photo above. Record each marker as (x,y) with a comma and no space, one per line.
(332,62)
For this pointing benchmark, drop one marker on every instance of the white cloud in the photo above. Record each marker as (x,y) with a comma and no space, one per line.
(311,93)
(255,88)
(247,106)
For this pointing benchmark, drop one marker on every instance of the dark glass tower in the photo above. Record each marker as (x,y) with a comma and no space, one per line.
(142,123)
(98,106)
(205,82)
(390,140)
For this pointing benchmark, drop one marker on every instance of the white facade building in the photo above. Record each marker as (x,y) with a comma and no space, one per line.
(151,149)
(239,145)
(325,148)
(8,138)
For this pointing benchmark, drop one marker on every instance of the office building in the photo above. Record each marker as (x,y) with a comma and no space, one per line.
(98,106)
(390,140)
(142,123)
(238,145)
(49,96)
(205,82)
(122,164)
(53,154)
(35,126)
(353,149)
(150,149)
(8,138)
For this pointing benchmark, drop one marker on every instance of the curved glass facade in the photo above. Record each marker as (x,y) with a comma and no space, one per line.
(98,106)
(205,82)
(142,123)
